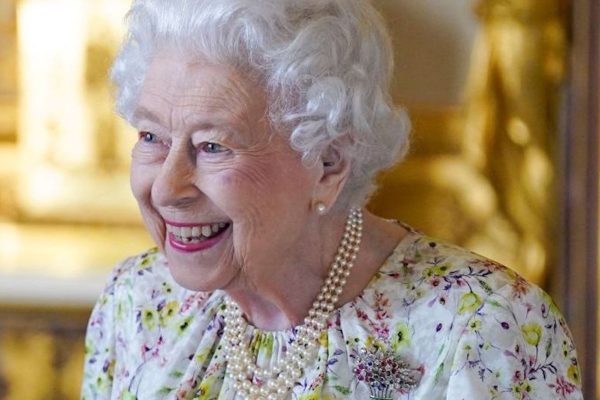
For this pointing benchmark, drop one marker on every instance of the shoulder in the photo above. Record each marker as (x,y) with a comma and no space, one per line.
(435,291)
(442,277)
(430,268)
(427,291)
(501,332)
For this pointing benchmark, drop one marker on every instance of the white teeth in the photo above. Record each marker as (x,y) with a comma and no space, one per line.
(195,234)
(206,231)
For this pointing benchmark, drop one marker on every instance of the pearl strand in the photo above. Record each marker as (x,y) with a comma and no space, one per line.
(279,379)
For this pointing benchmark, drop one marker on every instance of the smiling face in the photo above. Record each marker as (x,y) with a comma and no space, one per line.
(223,196)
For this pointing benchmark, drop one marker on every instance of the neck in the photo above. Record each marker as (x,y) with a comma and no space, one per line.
(282,299)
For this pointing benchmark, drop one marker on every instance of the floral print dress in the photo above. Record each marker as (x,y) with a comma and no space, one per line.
(467,328)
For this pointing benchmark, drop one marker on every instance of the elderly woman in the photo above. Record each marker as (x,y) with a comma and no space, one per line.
(261,126)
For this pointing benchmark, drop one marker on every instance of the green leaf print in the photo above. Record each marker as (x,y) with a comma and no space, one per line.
(438,372)
(165,391)
(343,390)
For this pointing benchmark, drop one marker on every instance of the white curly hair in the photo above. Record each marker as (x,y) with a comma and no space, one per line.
(325,64)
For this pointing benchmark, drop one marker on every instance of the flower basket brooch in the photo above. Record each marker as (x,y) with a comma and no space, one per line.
(385,373)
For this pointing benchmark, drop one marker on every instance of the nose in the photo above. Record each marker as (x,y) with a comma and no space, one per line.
(174,185)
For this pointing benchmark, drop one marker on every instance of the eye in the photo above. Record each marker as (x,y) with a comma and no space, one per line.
(213,148)
(148,137)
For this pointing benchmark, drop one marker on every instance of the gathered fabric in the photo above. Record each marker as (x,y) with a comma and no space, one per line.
(468,327)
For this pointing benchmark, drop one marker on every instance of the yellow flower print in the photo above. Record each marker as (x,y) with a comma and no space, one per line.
(104,382)
(352,341)
(475,325)
(168,311)
(255,341)
(149,319)
(120,311)
(566,349)
(324,339)
(183,324)
(469,302)
(166,288)
(375,278)
(316,395)
(127,395)
(493,391)
(400,336)
(268,344)
(203,391)
(147,261)
(371,342)
(521,390)
(263,341)
(438,270)
(203,355)
(441,270)
(532,333)
(554,311)
(573,374)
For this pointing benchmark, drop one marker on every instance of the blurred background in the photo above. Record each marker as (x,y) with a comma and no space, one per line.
(503,95)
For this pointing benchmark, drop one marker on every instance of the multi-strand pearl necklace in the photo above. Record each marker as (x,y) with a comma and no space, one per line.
(253,382)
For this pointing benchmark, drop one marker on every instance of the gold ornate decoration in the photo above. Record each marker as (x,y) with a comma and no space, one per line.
(74,150)
(511,124)
(482,173)
(8,71)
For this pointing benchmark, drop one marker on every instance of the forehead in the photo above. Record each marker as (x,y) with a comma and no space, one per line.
(200,86)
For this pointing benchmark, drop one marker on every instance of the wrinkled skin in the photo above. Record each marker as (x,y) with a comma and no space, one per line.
(207,154)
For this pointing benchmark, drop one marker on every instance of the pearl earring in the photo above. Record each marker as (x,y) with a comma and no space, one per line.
(321,208)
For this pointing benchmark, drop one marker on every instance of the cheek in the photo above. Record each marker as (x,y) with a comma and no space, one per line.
(141,179)
(244,191)
(261,200)
(145,166)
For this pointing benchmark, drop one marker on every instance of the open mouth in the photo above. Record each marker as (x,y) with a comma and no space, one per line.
(194,234)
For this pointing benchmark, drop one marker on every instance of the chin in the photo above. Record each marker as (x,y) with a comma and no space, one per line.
(205,269)
(196,279)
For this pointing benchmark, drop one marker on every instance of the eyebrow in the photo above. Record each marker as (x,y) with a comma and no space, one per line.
(215,121)
(142,113)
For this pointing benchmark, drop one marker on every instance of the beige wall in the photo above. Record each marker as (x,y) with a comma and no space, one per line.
(433,40)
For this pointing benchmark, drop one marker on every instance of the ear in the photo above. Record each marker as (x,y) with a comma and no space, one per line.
(334,169)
